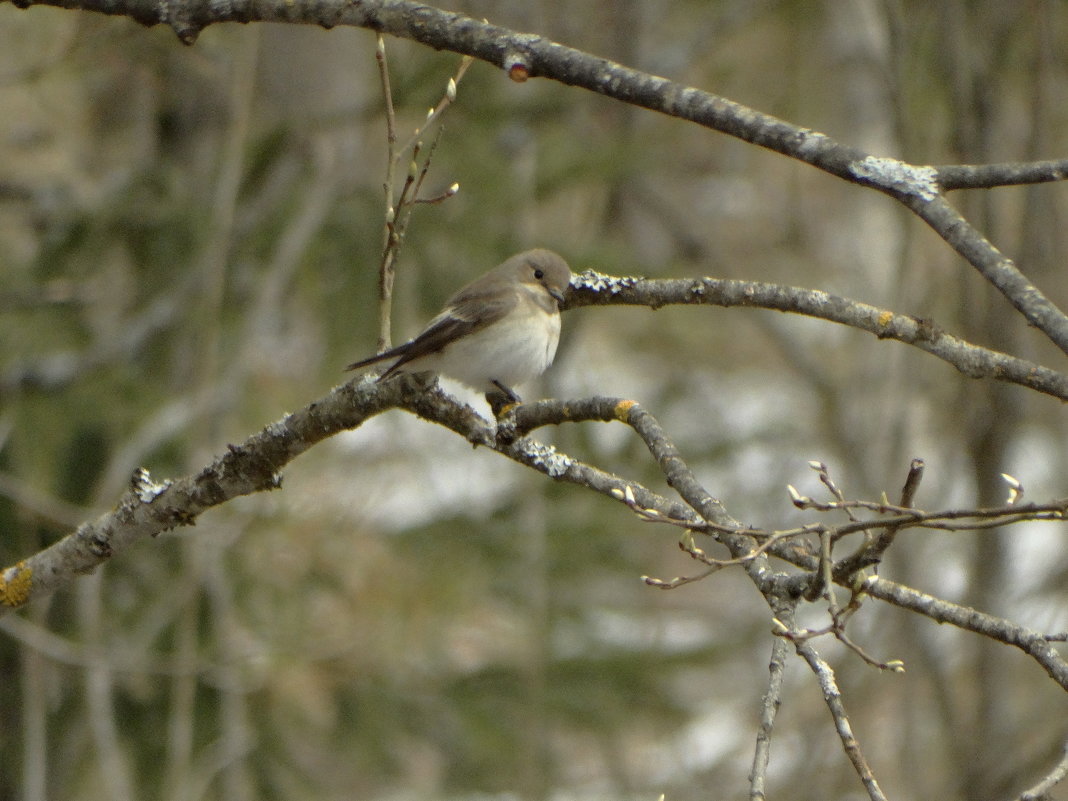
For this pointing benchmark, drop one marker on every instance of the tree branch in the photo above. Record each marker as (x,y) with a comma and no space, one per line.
(988,176)
(149,508)
(1005,631)
(1041,791)
(832,696)
(596,289)
(758,773)
(522,56)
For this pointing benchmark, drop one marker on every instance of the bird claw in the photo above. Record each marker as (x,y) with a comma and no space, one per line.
(502,402)
(501,405)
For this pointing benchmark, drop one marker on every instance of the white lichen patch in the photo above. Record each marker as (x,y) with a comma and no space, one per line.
(599,282)
(811,142)
(921,182)
(278,428)
(548,458)
(145,488)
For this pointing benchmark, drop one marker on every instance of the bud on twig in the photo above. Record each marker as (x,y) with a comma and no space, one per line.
(1016,489)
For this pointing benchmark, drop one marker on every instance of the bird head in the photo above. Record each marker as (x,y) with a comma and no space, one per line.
(543,268)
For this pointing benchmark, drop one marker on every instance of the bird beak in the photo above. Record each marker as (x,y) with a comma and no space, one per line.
(558,296)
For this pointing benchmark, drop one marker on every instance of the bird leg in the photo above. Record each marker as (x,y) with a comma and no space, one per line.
(508,392)
(500,402)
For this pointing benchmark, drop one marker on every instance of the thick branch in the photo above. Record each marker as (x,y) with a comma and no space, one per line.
(528,55)
(149,508)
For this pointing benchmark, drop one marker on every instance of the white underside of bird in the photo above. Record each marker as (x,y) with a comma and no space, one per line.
(511,351)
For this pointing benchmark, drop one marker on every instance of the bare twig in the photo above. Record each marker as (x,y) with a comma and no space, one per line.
(871,553)
(832,696)
(758,774)
(678,581)
(825,478)
(385,269)
(995,267)
(996,628)
(988,176)
(1041,790)
(398,212)
(912,483)
(447,99)
(892,665)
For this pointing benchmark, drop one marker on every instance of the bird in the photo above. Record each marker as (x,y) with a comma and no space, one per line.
(498,331)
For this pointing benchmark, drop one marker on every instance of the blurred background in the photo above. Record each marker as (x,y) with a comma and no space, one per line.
(189,240)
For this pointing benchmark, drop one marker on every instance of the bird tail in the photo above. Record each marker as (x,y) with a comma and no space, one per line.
(392,353)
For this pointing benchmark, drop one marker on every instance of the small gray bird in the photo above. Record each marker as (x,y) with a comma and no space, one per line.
(498,331)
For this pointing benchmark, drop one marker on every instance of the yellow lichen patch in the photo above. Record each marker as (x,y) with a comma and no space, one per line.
(622,410)
(15,585)
(885,318)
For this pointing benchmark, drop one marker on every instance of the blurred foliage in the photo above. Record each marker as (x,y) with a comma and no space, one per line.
(409,618)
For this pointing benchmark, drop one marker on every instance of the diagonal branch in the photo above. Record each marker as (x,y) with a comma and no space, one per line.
(995,267)
(832,696)
(149,508)
(996,628)
(595,289)
(1041,791)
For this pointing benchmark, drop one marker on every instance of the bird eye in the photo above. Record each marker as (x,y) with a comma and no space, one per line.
(539,274)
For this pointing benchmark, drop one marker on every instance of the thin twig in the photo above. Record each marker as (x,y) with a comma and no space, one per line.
(385,268)
(447,100)
(892,665)
(832,696)
(1041,791)
(758,774)
(398,213)
(825,478)
(871,552)
(678,581)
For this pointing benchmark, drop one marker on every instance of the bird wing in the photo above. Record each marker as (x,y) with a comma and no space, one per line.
(466,312)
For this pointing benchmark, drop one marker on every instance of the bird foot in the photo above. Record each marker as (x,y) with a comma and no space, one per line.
(500,405)
(503,401)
